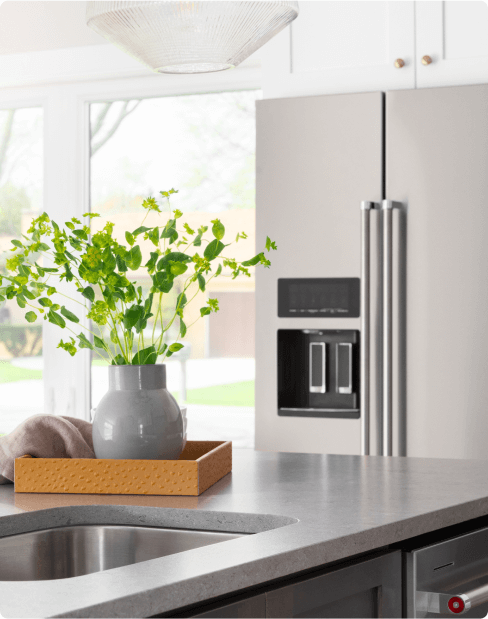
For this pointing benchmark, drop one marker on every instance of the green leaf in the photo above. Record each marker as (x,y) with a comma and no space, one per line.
(134,258)
(130,238)
(169,229)
(69,315)
(20,301)
(109,264)
(70,225)
(197,240)
(56,319)
(173,256)
(151,264)
(218,229)
(176,347)
(27,293)
(182,328)
(270,244)
(121,264)
(201,282)
(99,343)
(154,236)
(253,261)
(162,282)
(31,316)
(119,360)
(140,230)
(147,356)
(44,247)
(205,311)
(132,315)
(84,342)
(178,268)
(219,270)
(81,234)
(89,293)
(181,301)
(17,244)
(71,257)
(213,249)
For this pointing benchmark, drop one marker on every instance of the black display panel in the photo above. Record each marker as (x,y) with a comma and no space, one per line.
(318,298)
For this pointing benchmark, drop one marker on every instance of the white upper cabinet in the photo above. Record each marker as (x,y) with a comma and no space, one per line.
(455,36)
(347,46)
(338,47)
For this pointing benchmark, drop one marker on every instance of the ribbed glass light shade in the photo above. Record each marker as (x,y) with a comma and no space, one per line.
(189,37)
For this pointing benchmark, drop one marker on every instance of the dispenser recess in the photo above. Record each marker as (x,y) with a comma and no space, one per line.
(318,373)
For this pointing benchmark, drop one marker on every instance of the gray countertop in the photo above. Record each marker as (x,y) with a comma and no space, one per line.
(305,510)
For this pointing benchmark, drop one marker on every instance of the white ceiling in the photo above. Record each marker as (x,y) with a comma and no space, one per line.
(39,25)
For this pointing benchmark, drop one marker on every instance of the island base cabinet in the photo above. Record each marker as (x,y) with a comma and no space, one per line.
(369,588)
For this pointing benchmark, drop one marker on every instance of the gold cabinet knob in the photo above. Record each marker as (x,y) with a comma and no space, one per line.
(399,63)
(426,60)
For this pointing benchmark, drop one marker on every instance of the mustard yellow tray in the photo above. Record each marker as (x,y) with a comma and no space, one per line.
(201,464)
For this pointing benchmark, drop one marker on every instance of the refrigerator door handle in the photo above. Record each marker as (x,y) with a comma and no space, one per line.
(387,207)
(388,328)
(365,326)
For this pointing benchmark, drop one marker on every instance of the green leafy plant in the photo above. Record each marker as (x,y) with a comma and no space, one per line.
(101,262)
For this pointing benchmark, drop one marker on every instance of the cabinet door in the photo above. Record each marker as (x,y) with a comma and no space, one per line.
(454,35)
(370,588)
(254,606)
(336,46)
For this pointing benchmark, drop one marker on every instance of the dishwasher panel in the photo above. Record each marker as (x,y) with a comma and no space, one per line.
(449,578)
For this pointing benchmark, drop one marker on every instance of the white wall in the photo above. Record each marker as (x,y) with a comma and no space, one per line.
(35,26)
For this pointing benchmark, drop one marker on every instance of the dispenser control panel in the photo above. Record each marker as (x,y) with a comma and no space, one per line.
(318,298)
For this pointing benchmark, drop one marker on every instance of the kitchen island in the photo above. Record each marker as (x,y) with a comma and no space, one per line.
(304,511)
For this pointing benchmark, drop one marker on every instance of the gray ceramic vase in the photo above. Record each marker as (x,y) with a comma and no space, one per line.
(137,418)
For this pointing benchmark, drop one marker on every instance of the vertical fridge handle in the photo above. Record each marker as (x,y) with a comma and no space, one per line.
(387,207)
(365,326)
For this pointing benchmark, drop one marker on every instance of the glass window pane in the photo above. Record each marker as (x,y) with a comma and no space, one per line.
(203,146)
(21,191)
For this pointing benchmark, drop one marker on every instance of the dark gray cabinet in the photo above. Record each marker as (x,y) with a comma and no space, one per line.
(254,606)
(370,587)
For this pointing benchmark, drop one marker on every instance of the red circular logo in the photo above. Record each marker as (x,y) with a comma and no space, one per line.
(456,604)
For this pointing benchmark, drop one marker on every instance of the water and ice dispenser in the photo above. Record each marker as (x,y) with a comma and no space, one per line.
(318,369)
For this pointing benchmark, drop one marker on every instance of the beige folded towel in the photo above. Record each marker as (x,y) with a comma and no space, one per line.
(45,436)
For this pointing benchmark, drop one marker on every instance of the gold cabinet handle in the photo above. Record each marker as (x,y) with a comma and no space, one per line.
(399,63)
(426,60)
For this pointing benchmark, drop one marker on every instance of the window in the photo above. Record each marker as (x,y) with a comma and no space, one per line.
(204,146)
(21,192)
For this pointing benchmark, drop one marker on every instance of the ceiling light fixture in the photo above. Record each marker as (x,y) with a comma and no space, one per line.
(189,37)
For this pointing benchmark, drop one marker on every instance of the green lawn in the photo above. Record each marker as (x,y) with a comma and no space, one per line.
(10,373)
(234,394)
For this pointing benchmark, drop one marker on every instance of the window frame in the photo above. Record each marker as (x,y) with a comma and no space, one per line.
(76,78)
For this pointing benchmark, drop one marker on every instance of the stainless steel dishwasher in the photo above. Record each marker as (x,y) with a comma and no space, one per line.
(448,578)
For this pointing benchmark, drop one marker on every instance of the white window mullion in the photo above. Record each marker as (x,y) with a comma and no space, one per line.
(66,378)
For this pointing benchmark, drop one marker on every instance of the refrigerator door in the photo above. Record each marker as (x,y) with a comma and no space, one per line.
(317,159)
(437,167)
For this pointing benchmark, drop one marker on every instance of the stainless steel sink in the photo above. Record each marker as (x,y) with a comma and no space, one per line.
(64,552)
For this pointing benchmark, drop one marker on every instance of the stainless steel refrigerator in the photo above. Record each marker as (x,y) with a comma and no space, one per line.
(387,192)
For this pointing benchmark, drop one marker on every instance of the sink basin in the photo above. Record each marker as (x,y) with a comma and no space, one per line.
(64,552)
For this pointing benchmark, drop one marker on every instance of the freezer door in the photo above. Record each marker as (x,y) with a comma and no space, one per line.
(437,167)
(317,159)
